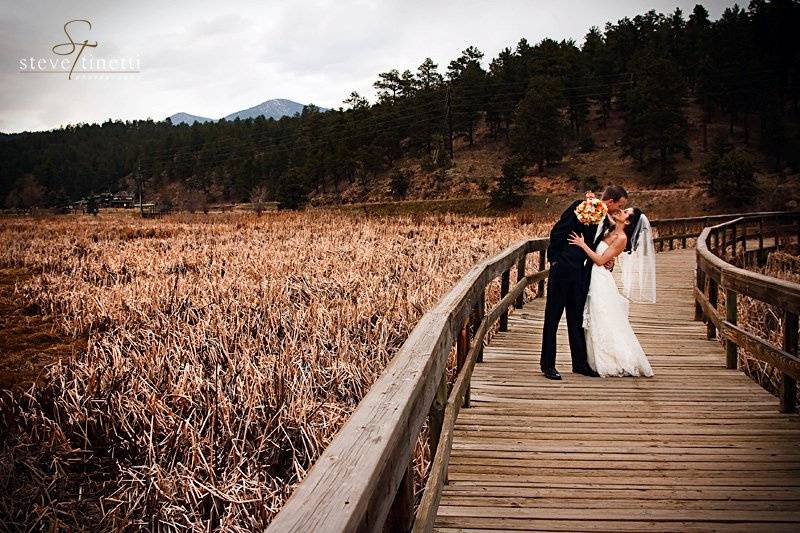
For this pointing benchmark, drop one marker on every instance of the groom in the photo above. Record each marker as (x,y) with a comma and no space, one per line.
(568,283)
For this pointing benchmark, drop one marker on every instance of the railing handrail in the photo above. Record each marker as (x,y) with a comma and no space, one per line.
(714,272)
(783,293)
(708,218)
(352,484)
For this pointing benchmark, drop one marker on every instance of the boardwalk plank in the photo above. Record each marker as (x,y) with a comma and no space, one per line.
(695,448)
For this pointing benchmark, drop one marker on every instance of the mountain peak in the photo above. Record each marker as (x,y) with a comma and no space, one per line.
(186,118)
(275,108)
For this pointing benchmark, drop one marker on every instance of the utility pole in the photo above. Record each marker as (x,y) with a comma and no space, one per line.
(449,118)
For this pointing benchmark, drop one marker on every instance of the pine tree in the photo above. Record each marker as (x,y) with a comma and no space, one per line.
(731,174)
(468,91)
(538,130)
(293,190)
(655,126)
(510,186)
(597,61)
(428,76)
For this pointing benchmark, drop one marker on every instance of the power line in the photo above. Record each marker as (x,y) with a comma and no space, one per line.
(369,127)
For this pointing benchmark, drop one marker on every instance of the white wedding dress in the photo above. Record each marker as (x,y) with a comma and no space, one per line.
(611,344)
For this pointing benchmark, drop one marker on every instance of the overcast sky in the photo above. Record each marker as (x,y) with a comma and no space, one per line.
(211,58)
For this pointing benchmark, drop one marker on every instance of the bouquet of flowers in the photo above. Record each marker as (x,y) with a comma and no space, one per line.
(592,210)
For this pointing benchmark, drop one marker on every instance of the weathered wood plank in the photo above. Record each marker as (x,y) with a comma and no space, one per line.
(696,447)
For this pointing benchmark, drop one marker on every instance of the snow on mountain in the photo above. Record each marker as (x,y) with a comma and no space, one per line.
(275,108)
(186,118)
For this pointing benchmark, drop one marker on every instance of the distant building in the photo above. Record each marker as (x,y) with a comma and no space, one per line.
(122,200)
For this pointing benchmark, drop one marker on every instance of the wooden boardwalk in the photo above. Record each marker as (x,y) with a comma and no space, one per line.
(695,448)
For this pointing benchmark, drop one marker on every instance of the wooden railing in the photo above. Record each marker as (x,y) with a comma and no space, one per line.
(745,240)
(363,481)
(671,233)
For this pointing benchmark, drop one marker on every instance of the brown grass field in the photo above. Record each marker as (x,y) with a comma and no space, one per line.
(193,367)
(766,320)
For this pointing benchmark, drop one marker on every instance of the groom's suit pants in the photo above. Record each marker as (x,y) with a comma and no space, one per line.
(566,291)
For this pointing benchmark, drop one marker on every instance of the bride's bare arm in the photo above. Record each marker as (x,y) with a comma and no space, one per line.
(611,252)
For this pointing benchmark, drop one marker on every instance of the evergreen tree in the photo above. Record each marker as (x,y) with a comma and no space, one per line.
(655,126)
(577,78)
(468,92)
(730,174)
(428,76)
(390,85)
(399,183)
(600,70)
(510,186)
(538,130)
(293,190)
(505,86)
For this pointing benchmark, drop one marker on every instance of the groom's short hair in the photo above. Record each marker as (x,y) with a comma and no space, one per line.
(615,192)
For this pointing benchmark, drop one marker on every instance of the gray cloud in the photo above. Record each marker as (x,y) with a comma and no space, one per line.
(211,58)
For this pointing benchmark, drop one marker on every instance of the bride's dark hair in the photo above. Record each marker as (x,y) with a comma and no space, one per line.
(630,227)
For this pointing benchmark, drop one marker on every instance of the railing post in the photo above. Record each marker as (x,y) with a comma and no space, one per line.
(505,281)
(744,236)
(760,237)
(462,349)
(788,384)
(436,415)
(733,238)
(401,514)
(684,231)
(797,218)
(711,330)
(480,312)
(723,244)
(700,284)
(731,350)
(518,303)
(542,263)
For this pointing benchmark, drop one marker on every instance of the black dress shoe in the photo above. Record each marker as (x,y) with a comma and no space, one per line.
(551,373)
(587,372)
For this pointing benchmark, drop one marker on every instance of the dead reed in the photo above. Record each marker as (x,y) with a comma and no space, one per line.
(765,320)
(224,353)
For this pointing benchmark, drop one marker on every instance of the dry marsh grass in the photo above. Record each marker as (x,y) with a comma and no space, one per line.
(766,320)
(223,354)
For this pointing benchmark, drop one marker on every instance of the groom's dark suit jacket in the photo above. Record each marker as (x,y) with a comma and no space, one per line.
(568,285)
(570,258)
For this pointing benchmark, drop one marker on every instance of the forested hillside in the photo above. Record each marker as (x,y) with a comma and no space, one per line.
(653,80)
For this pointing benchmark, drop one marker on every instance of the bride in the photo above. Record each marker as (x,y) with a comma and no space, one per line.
(611,344)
